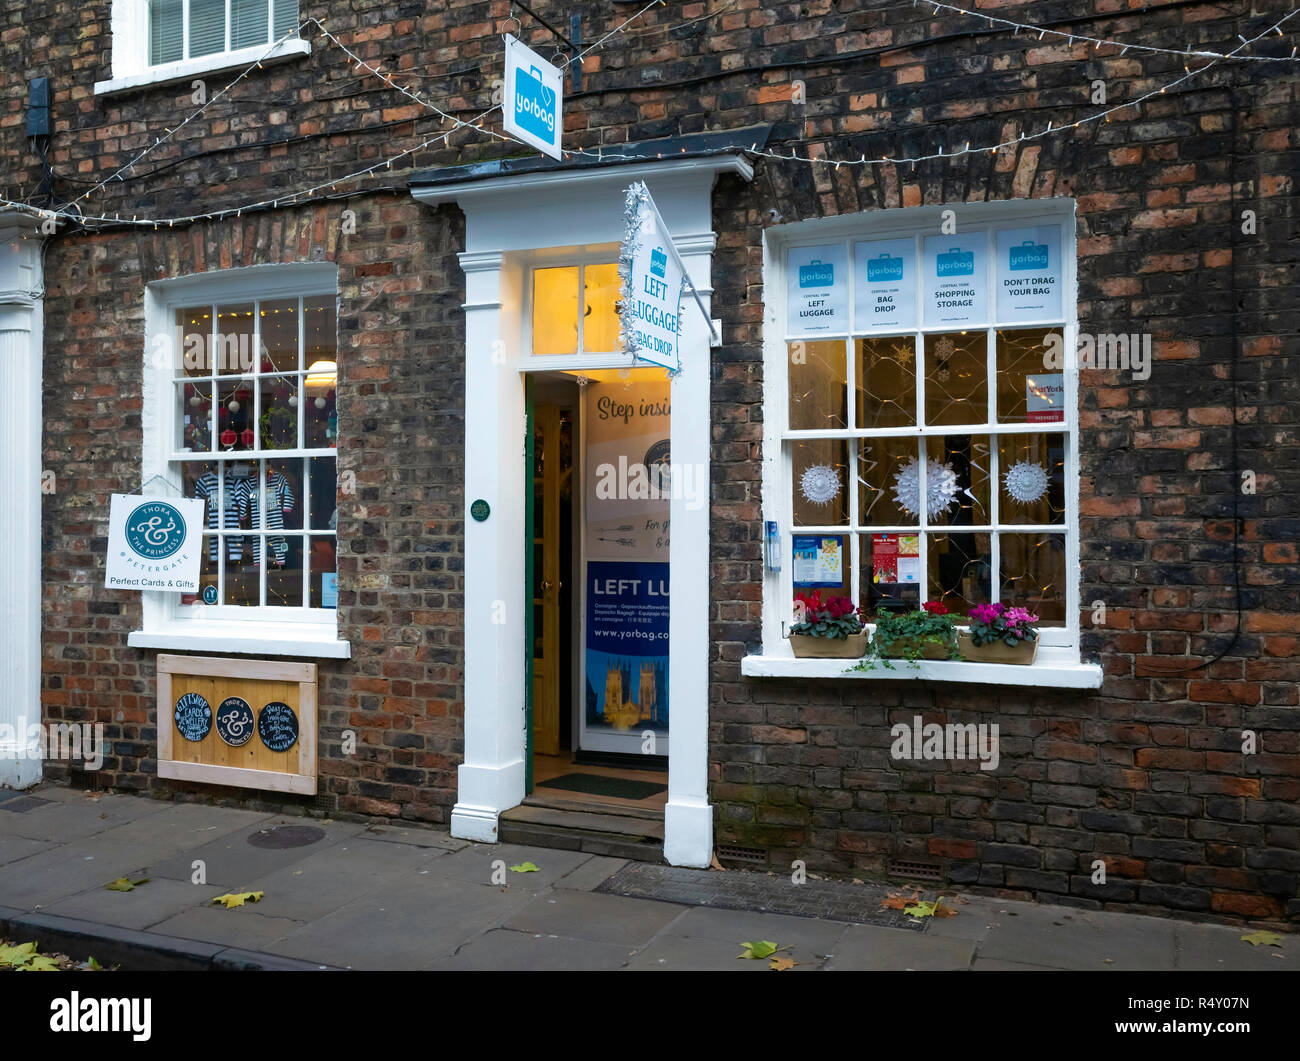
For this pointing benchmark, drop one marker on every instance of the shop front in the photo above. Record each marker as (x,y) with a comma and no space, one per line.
(586,495)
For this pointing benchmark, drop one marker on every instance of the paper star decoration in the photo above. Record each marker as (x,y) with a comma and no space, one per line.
(819,484)
(1026,482)
(940,488)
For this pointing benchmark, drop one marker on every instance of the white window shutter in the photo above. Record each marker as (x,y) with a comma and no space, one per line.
(248,23)
(207,27)
(166,18)
(285,17)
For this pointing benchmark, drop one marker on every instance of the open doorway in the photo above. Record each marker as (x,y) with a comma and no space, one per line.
(598,576)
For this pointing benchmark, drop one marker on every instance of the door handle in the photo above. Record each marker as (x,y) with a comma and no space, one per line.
(548,584)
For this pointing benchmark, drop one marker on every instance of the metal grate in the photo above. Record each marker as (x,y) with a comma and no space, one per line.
(901,867)
(325,802)
(750,856)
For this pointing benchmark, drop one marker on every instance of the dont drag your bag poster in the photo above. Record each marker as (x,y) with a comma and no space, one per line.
(628,490)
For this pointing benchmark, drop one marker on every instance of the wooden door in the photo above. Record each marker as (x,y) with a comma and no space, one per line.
(546,579)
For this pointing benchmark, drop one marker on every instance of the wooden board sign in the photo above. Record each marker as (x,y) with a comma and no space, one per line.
(240,722)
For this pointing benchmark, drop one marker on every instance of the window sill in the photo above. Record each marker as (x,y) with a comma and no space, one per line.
(247,639)
(182,69)
(1053,668)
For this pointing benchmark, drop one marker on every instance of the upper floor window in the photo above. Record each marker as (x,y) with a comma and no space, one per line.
(187,29)
(574,309)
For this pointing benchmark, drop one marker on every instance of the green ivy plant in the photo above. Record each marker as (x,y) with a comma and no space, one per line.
(930,625)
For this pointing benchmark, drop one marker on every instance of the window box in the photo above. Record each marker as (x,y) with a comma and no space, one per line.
(1021,654)
(805,646)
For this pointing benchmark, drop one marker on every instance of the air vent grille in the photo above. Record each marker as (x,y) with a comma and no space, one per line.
(749,856)
(901,867)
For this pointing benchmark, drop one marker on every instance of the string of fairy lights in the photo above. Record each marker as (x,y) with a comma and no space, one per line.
(476,125)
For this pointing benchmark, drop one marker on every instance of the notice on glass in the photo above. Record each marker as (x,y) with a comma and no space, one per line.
(896,558)
(1045,398)
(818,561)
(1029,274)
(884,288)
(817,290)
(955,275)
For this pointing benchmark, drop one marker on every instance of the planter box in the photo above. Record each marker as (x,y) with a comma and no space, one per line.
(808,647)
(904,647)
(1022,653)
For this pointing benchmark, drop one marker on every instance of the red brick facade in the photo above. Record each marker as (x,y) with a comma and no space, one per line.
(1146,774)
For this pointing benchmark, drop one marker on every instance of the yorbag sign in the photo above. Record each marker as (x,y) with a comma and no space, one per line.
(653,277)
(533,98)
(817,291)
(154,544)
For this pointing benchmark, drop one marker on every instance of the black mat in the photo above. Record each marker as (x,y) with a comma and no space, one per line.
(596,785)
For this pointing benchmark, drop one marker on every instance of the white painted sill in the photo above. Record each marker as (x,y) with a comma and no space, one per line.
(246,639)
(182,69)
(1057,668)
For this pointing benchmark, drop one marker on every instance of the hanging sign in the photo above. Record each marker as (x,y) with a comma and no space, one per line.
(533,99)
(649,316)
(1029,274)
(817,290)
(154,543)
(884,288)
(955,273)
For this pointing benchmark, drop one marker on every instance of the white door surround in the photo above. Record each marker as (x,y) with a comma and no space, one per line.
(22,299)
(514,222)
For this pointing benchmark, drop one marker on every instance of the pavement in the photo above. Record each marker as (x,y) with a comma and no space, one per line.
(383,895)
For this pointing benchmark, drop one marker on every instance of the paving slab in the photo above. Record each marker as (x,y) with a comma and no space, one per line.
(809,937)
(974,918)
(997,965)
(75,820)
(142,908)
(682,953)
(241,927)
(1068,938)
(591,874)
(187,825)
(474,864)
(46,877)
(328,879)
(1221,947)
(595,916)
(13,848)
(503,948)
(867,947)
(232,861)
(405,925)
(419,837)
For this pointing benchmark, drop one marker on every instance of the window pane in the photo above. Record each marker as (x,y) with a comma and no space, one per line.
(322,493)
(958,570)
(600,325)
(886,382)
(320,416)
(1032,572)
(818,396)
(956,371)
(285,13)
(233,349)
(278,422)
(1032,473)
(192,341)
(279,323)
(1031,385)
(165,26)
(555,310)
(248,23)
(207,27)
(200,479)
(235,416)
(324,582)
(820,469)
(320,328)
(957,480)
(822,562)
(881,463)
(194,419)
(889,567)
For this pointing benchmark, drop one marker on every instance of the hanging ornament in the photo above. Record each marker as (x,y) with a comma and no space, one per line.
(233,406)
(247,438)
(819,484)
(293,401)
(228,438)
(320,403)
(1026,482)
(194,400)
(945,347)
(940,487)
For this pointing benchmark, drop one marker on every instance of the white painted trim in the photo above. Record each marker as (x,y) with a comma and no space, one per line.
(242,639)
(21,458)
(1051,669)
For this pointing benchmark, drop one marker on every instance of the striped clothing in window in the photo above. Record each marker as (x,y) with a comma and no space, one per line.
(279,502)
(206,490)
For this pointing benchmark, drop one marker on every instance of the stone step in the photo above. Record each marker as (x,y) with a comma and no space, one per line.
(556,802)
(618,836)
(588,820)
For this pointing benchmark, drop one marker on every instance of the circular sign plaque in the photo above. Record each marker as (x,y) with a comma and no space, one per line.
(235,721)
(193,717)
(277,725)
(155,530)
(480,510)
(209,594)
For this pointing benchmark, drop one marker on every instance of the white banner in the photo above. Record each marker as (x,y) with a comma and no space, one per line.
(817,290)
(533,103)
(154,543)
(653,277)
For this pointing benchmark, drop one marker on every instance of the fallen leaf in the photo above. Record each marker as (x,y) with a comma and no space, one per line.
(1272,939)
(41,963)
(715,864)
(761,949)
(524,867)
(93,965)
(233,899)
(899,900)
(124,885)
(781,964)
(17,955)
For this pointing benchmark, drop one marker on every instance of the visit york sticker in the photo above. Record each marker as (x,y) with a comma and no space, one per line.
(954,274)
(817,290)
(1028,274)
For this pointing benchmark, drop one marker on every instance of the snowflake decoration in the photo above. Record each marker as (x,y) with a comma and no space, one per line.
(903,355)
(1026,482)
(819,484)
(940,488)
(945,347)
(942,375)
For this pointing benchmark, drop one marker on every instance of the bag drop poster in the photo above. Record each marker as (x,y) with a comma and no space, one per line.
(884,286)
(626,689)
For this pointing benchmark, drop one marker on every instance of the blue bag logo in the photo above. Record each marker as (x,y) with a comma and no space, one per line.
(955,263)
(658,262)
(534,103)
(884,268)
(1028,255)
(817,273)
(155,530)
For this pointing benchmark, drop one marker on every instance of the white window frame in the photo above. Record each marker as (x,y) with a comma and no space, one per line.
(528,361)
(130,53)
(168,624)
(1058,662)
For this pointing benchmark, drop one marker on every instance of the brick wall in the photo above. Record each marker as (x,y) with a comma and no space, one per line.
(1147,775)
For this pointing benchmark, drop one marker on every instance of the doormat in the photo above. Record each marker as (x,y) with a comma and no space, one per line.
(596,785)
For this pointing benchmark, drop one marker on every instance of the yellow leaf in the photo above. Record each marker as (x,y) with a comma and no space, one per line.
(233,899)
(1271,939)
(781,964)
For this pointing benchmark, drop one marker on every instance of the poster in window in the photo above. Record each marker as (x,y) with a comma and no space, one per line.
(884,285)
(955,275)
(817,290)
(1045,398)
(626,690)
(1029,274)
(896,559)
(818,561)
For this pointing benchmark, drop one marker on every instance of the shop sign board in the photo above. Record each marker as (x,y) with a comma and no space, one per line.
(1029,274)
(955,271)
(154,543)
(817,290)
(532,103)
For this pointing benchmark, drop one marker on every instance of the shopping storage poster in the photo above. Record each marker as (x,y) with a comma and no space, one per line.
(628,487)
